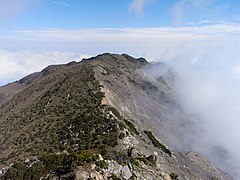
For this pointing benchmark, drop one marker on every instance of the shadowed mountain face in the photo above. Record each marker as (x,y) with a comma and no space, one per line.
(59,120)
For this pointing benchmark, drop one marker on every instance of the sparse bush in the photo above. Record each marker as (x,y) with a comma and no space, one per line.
(121,135)
(115,112)
(19,171)
(102,164)
(152,159)
(134,161)
(174,176)
(157,144)
(131,126)
(104,152)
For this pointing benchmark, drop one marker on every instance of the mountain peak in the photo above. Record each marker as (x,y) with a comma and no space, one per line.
(117,57)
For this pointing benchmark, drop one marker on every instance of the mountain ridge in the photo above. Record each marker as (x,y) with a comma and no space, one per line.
(100,112)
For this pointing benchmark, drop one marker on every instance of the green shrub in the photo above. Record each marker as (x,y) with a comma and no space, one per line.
(121,135)
(102,164)
(122,126)
(157,144)
(134,161)
(110,141)
(144,160)
(174,176)
(19,171)
(115,112)
(148,161)
(85,156)
(37,171)
(64,163)
(104,152)
(152,160)
(131,127)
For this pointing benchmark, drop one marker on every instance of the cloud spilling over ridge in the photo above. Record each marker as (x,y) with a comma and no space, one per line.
(11,8)
(208,89)
(15,65)
(137,6)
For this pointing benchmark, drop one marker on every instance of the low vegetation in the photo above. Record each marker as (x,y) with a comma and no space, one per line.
(131,127)
(156,143)
(129,124)
(102,164)
(174,176)
(59,165)
(63,112)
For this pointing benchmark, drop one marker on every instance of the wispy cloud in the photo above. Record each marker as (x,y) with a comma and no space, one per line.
(61,3)
(183,9)
(11,8)
(137,6)
(210,31)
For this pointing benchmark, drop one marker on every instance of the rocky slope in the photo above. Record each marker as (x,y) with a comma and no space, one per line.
(106,117)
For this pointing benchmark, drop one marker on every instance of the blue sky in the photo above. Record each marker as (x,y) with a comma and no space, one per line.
(85,14)
(43,32)
(68,14)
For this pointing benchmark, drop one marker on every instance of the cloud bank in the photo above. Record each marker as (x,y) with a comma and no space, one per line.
(152,43)
(208,89)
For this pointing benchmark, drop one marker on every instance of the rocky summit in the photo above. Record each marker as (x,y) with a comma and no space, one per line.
(106,117)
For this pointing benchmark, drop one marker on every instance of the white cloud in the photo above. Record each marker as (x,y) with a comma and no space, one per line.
(137,6)
(11,8)
(15,65)
(152,43)
(208,31)
(209,88)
